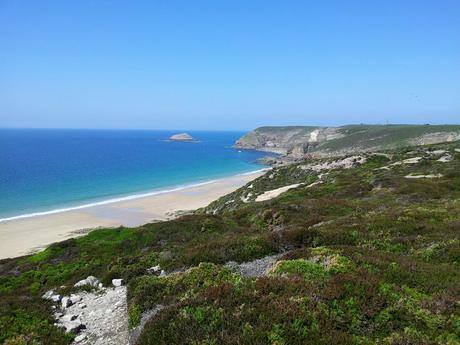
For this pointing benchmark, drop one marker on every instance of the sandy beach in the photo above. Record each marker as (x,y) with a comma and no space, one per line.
(23,236)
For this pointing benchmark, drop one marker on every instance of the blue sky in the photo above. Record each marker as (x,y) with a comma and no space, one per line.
(228,64)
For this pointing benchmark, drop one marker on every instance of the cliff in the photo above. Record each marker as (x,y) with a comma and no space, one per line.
(298,141)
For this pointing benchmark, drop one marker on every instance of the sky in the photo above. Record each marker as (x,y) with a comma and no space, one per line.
(228,64)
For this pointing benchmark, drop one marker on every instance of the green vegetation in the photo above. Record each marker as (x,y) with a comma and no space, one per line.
(368,257)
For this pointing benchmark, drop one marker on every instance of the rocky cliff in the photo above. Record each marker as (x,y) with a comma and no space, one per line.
(299,141)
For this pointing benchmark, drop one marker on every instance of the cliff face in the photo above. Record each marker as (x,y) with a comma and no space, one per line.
(298,141)
(288,139)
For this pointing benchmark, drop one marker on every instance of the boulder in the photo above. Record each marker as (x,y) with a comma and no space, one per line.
(74,326)
(48,294)
(69,317)
(90,281)
(117,282)
(154,270)
(56,298)
(66,302)
(75,298)
(80,338)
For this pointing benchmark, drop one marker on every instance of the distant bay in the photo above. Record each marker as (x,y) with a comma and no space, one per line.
(44,170)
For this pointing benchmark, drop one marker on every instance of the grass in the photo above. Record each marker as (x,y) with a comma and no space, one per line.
(369,257)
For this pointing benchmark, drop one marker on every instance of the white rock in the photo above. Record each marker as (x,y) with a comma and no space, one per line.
(75,298)
(74,326)
(154,269)
(48,294)
(411,176)
(69,317)
(457,150)
(82,305)
(66,302)
(445,159)
(91,281)
(117,282)
(100,285)
(80,338)
(56,298)
(437,152)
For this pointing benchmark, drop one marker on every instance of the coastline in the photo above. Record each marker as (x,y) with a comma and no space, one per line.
(23,234)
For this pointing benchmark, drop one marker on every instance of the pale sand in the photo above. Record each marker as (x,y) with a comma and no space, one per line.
(270,194)
(23,236)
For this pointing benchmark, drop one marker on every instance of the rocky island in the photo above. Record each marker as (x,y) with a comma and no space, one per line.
(181,137)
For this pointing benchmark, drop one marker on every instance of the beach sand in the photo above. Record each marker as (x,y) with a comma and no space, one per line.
(27,235)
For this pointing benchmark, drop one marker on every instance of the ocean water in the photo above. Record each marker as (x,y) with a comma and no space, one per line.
(50,170)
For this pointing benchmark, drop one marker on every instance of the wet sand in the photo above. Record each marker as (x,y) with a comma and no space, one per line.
(26,235)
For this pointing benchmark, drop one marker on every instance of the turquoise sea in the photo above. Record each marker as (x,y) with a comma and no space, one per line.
(45,171)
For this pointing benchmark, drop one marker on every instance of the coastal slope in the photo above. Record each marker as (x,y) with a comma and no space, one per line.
(356,249)
(298,141)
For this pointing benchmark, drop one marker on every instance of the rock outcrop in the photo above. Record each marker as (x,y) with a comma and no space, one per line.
(97,317)
(301,142)
(181,137)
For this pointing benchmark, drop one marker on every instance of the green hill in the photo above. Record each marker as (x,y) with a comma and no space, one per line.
(363,249)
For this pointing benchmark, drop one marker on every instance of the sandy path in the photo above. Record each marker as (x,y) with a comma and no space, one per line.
(21,236)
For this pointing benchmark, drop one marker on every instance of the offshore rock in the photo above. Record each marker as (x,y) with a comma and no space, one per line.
(181,137)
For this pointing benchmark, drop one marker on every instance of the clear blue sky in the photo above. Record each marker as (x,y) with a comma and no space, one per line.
(228,64)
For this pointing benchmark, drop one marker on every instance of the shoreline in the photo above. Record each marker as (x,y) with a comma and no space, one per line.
(124,198)
(24,234)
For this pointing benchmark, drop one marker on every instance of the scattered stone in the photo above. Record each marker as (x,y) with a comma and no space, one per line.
(246,198)
(56,298)
(66,302)
(162,273)
(90,281)
(75,298)
(255,268)
(80,338)
(154,270)
(457,150)
(437,152)
(345,163)
(414,160)
(69,317)
(104,318)
(445,159)
(74,326)
(117,282)
(100,286)
(48,294)
(411,176)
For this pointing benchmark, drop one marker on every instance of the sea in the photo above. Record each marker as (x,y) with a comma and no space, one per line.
(45,171)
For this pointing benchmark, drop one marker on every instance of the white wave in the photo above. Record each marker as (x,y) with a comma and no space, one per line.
(124,198)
